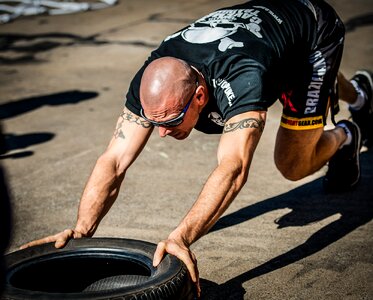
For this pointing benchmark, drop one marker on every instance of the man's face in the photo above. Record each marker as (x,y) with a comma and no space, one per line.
(181,131)
(174,120)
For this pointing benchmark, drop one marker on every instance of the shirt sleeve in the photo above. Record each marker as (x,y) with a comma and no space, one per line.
(132,101)
(238,86)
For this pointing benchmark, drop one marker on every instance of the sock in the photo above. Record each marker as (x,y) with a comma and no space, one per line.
(348,133)
(361,97)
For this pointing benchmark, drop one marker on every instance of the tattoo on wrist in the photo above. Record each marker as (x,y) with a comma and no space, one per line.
(246,123)
(131,118)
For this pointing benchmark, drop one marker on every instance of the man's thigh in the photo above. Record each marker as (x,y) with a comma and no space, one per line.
(294,146)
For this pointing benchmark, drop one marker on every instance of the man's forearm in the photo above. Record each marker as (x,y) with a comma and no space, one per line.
(129,138)
(227,179)
(219,191)
(99,195)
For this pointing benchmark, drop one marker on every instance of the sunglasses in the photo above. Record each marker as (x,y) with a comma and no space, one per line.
(175,121)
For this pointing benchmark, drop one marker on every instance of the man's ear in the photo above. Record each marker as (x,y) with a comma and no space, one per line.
(202,96)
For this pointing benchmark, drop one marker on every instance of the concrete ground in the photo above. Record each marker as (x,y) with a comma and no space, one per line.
(62,86)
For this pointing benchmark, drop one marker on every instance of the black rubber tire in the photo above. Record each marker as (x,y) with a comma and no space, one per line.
(95,268)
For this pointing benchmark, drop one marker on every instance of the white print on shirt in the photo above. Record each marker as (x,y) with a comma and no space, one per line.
(225,85)
(221,24)
(216,118)
(318,73)
(277,18)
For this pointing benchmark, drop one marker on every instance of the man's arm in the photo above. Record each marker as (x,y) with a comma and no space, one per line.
(102,188)
(236,149)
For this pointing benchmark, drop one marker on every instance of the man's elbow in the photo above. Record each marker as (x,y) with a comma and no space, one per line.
(239,171)
(109,162)
(242,176)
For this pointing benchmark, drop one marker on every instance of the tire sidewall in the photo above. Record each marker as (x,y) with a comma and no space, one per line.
(170,280)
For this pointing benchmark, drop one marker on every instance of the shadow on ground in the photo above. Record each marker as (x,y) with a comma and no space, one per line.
(5,221)
(359,21)
(14,108)
(308,204)
(27,46)
(11,109)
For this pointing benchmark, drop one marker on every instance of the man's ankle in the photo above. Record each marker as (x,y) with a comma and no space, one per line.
(348,134)
(360,99)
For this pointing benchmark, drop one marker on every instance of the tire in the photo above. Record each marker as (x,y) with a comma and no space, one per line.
(95,268)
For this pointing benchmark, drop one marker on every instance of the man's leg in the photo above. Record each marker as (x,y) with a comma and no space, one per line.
(299,153)
(346,90)
(357,92)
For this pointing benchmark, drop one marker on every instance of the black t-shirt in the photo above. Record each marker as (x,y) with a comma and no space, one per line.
(247,53)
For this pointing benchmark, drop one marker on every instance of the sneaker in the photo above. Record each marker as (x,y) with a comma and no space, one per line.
(344,167)
(364,116)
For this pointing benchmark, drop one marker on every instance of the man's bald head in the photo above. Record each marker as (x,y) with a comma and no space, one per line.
(166,84)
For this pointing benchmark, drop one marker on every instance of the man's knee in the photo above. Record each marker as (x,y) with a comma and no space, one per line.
(294,152)
(291,168)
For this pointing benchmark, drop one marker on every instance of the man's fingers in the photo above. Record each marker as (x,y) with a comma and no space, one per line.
(47,239)
(63,238)
(159,253)
(60,239)
(191,263)
(182,253)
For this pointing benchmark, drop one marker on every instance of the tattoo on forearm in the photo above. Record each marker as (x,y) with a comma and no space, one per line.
(129,117)
(246,123)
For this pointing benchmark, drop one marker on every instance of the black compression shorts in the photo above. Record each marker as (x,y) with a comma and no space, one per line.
(306,106)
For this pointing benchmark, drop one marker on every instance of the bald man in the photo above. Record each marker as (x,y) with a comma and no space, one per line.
(220,75)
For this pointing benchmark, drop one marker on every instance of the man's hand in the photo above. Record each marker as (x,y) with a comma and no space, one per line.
(181,251)
(60,239)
